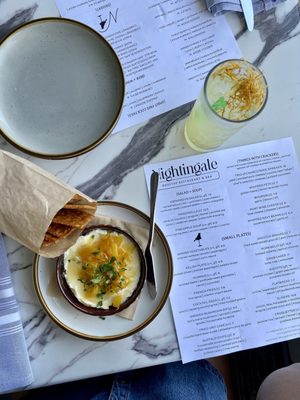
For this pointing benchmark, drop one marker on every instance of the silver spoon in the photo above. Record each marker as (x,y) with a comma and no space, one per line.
(150,277)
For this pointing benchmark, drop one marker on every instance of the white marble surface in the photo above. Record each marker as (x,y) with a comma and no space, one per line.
(114,171)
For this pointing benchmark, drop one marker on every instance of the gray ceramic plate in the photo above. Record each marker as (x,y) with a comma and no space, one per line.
(62,88)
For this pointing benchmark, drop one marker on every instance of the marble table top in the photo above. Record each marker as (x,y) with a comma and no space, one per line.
(114,169)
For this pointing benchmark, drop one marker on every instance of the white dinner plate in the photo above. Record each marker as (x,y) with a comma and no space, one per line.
(62,88)
(112,327)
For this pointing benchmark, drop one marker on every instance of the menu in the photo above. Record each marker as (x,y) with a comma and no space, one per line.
(232,219)
(166,48)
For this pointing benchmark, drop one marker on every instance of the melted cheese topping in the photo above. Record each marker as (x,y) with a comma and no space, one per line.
(102,268)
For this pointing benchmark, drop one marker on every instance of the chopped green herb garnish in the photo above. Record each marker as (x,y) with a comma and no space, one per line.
(96,280)
(103,275)
(100,303)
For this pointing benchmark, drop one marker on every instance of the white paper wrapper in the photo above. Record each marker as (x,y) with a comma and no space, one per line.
(30,198)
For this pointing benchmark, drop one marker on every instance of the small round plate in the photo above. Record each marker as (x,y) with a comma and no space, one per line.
(112,327)
(62,88)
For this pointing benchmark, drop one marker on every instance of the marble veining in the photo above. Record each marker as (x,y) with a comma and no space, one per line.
(153,349)
(89,349)
(274,32)
(70,170)
(18,267)
(20,17)
(275,29)
(47,335)
(19,257)
(146,143)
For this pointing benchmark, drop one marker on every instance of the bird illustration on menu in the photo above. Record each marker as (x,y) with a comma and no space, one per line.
(198,239)
(105,22)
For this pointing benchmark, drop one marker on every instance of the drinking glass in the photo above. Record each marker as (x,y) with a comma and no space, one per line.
(234,92)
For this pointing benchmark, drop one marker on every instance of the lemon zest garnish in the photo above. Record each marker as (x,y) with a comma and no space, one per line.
(248,91)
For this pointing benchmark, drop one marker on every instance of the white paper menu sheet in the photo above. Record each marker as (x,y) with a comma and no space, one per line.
(166,49)
(232,219)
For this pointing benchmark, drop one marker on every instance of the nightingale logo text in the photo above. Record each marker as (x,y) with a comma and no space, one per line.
(182,170)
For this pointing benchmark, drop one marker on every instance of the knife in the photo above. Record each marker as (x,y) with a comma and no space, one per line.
(247,8)
(150,277)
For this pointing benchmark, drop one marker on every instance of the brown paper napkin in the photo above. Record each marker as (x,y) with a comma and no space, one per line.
(139,233)
(30,197)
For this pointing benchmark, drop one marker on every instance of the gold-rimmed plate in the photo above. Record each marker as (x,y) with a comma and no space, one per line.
(113,327)
(62,88)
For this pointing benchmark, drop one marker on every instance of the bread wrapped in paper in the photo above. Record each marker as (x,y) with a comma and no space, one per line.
(38,210)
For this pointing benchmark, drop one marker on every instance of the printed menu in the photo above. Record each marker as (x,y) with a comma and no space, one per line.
(232,219)
(166,48)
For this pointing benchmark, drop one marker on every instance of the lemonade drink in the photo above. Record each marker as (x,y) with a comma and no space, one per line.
(234,92)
